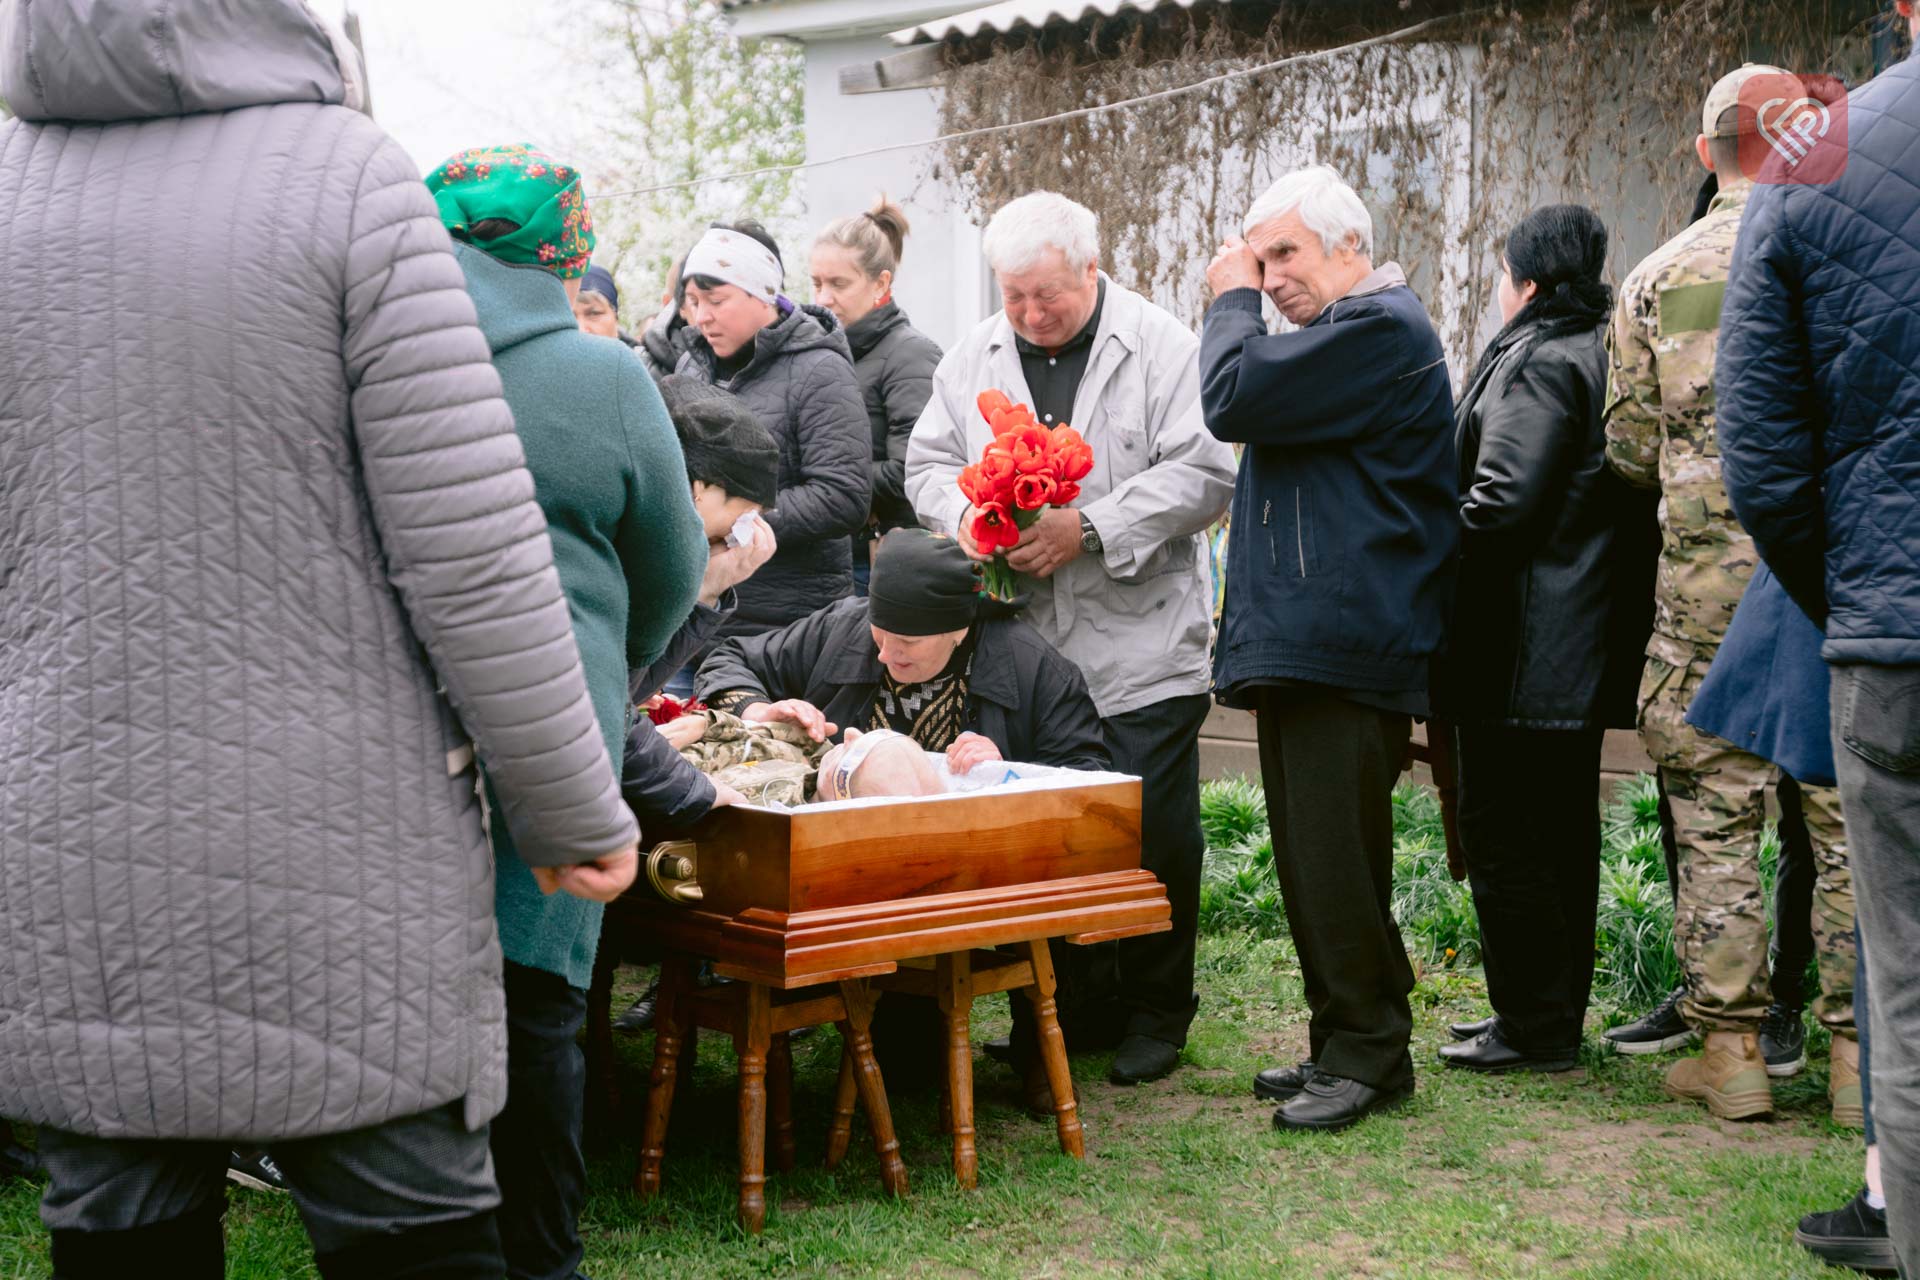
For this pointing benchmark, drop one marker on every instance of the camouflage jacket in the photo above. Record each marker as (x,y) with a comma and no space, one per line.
(767,763)
(1660,430)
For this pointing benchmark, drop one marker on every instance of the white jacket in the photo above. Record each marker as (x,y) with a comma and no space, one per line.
(1135,620)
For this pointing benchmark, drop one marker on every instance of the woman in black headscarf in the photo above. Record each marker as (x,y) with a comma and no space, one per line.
(1541,656)
(926,656)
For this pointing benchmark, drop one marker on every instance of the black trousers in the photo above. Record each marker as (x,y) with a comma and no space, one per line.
(1790,950)
(1329,767)
(536,1139)
(1148,981)
(1530,821)
(405,1200)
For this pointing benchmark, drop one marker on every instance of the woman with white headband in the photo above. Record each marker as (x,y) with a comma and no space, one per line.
(791,365)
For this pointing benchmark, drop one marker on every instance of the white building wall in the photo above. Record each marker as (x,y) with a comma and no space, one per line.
(942,281)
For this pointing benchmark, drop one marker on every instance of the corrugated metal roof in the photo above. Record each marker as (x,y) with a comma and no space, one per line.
(1009,15)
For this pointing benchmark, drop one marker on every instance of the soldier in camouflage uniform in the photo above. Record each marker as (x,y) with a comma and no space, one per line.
(1660,434)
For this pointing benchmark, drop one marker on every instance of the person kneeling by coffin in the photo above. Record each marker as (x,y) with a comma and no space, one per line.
(923,656)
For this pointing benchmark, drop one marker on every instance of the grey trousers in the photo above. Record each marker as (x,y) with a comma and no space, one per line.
(1876,740)
(350,1188)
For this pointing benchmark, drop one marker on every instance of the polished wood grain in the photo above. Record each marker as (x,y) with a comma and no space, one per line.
(807,909)
(1053,1051)
(953,982)
(780,1101)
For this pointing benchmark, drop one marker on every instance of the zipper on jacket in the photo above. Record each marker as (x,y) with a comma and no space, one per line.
(1266,522)
(1299,534)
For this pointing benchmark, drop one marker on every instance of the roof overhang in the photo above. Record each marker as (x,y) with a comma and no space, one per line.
(1010,16)
(829,19)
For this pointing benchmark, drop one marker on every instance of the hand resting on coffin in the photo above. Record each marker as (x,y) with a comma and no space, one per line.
(794,711)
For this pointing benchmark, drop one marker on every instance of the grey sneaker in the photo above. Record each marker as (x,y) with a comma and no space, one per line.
(1661,1031)
(1783,1041)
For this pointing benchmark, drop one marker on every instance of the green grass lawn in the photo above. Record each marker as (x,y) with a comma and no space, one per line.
(1593,1173)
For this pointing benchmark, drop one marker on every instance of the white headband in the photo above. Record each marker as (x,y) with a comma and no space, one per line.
(735,259)
(854,756)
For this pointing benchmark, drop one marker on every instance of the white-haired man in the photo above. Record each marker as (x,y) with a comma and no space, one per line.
(1337,577)
(1118,582)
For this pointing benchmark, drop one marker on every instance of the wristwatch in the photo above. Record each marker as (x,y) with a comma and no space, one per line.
(1089,536)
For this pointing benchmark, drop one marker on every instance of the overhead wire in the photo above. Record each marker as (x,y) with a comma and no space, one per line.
(1057,118)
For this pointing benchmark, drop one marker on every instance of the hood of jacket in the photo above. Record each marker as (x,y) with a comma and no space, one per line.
(805,328)
(665,342)
(106,60)
(516,303)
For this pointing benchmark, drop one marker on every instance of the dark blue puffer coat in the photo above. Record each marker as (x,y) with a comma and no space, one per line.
(1818,382)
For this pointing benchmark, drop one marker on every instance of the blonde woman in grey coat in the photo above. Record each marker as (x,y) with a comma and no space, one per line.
(270,570)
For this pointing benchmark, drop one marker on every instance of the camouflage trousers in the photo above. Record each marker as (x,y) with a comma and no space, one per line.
(1718,793)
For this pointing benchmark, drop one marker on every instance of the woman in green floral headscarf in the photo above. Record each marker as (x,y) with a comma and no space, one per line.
(630,550)
(483,188)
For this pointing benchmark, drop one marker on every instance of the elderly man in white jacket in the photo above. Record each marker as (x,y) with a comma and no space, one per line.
(1119,581)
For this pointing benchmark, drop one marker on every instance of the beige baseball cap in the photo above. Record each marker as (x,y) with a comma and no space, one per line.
(1725,95)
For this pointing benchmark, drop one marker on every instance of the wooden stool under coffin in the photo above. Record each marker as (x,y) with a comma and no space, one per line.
(837,893)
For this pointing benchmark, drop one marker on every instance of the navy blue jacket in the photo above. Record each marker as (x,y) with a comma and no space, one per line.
(1344,515)
(1818,382)
(1766,692)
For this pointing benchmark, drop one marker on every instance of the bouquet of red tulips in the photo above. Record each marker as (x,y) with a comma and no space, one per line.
(1024,469)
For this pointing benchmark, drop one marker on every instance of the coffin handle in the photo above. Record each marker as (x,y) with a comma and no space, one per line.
(673,868)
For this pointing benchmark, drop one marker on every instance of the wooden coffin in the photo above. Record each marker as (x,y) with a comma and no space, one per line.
(794,897)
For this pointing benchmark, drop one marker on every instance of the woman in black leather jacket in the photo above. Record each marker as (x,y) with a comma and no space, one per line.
(1542,654)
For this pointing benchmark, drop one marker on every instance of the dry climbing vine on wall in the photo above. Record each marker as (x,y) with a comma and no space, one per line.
(1449,140)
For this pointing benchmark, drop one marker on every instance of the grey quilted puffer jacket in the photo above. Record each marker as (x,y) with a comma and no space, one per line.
(265,532)
(801,385)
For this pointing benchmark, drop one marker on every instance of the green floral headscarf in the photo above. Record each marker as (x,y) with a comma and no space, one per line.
(528,187)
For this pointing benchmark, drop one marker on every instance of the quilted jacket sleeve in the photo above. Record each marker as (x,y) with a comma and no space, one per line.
(834,490)
(1763,388)
(465,543)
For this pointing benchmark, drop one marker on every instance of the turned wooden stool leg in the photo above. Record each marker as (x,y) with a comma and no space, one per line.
(1053,1051)
(751,1043)
(840,1132)
(780,1101)
(669,1022)
(873,1092)
(953,976)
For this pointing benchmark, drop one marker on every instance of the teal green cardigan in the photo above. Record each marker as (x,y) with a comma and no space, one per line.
(629,547)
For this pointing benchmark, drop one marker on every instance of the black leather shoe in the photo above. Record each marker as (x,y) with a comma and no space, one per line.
(1001,1050)
(1468,1030)
(1143,1058)
(640,1016)
(1335,1102)
(1853,1236)
(1489,1053)
(1277,1084)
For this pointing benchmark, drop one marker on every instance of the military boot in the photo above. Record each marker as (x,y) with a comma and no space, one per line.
(1843,1084)
(1729,1076)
